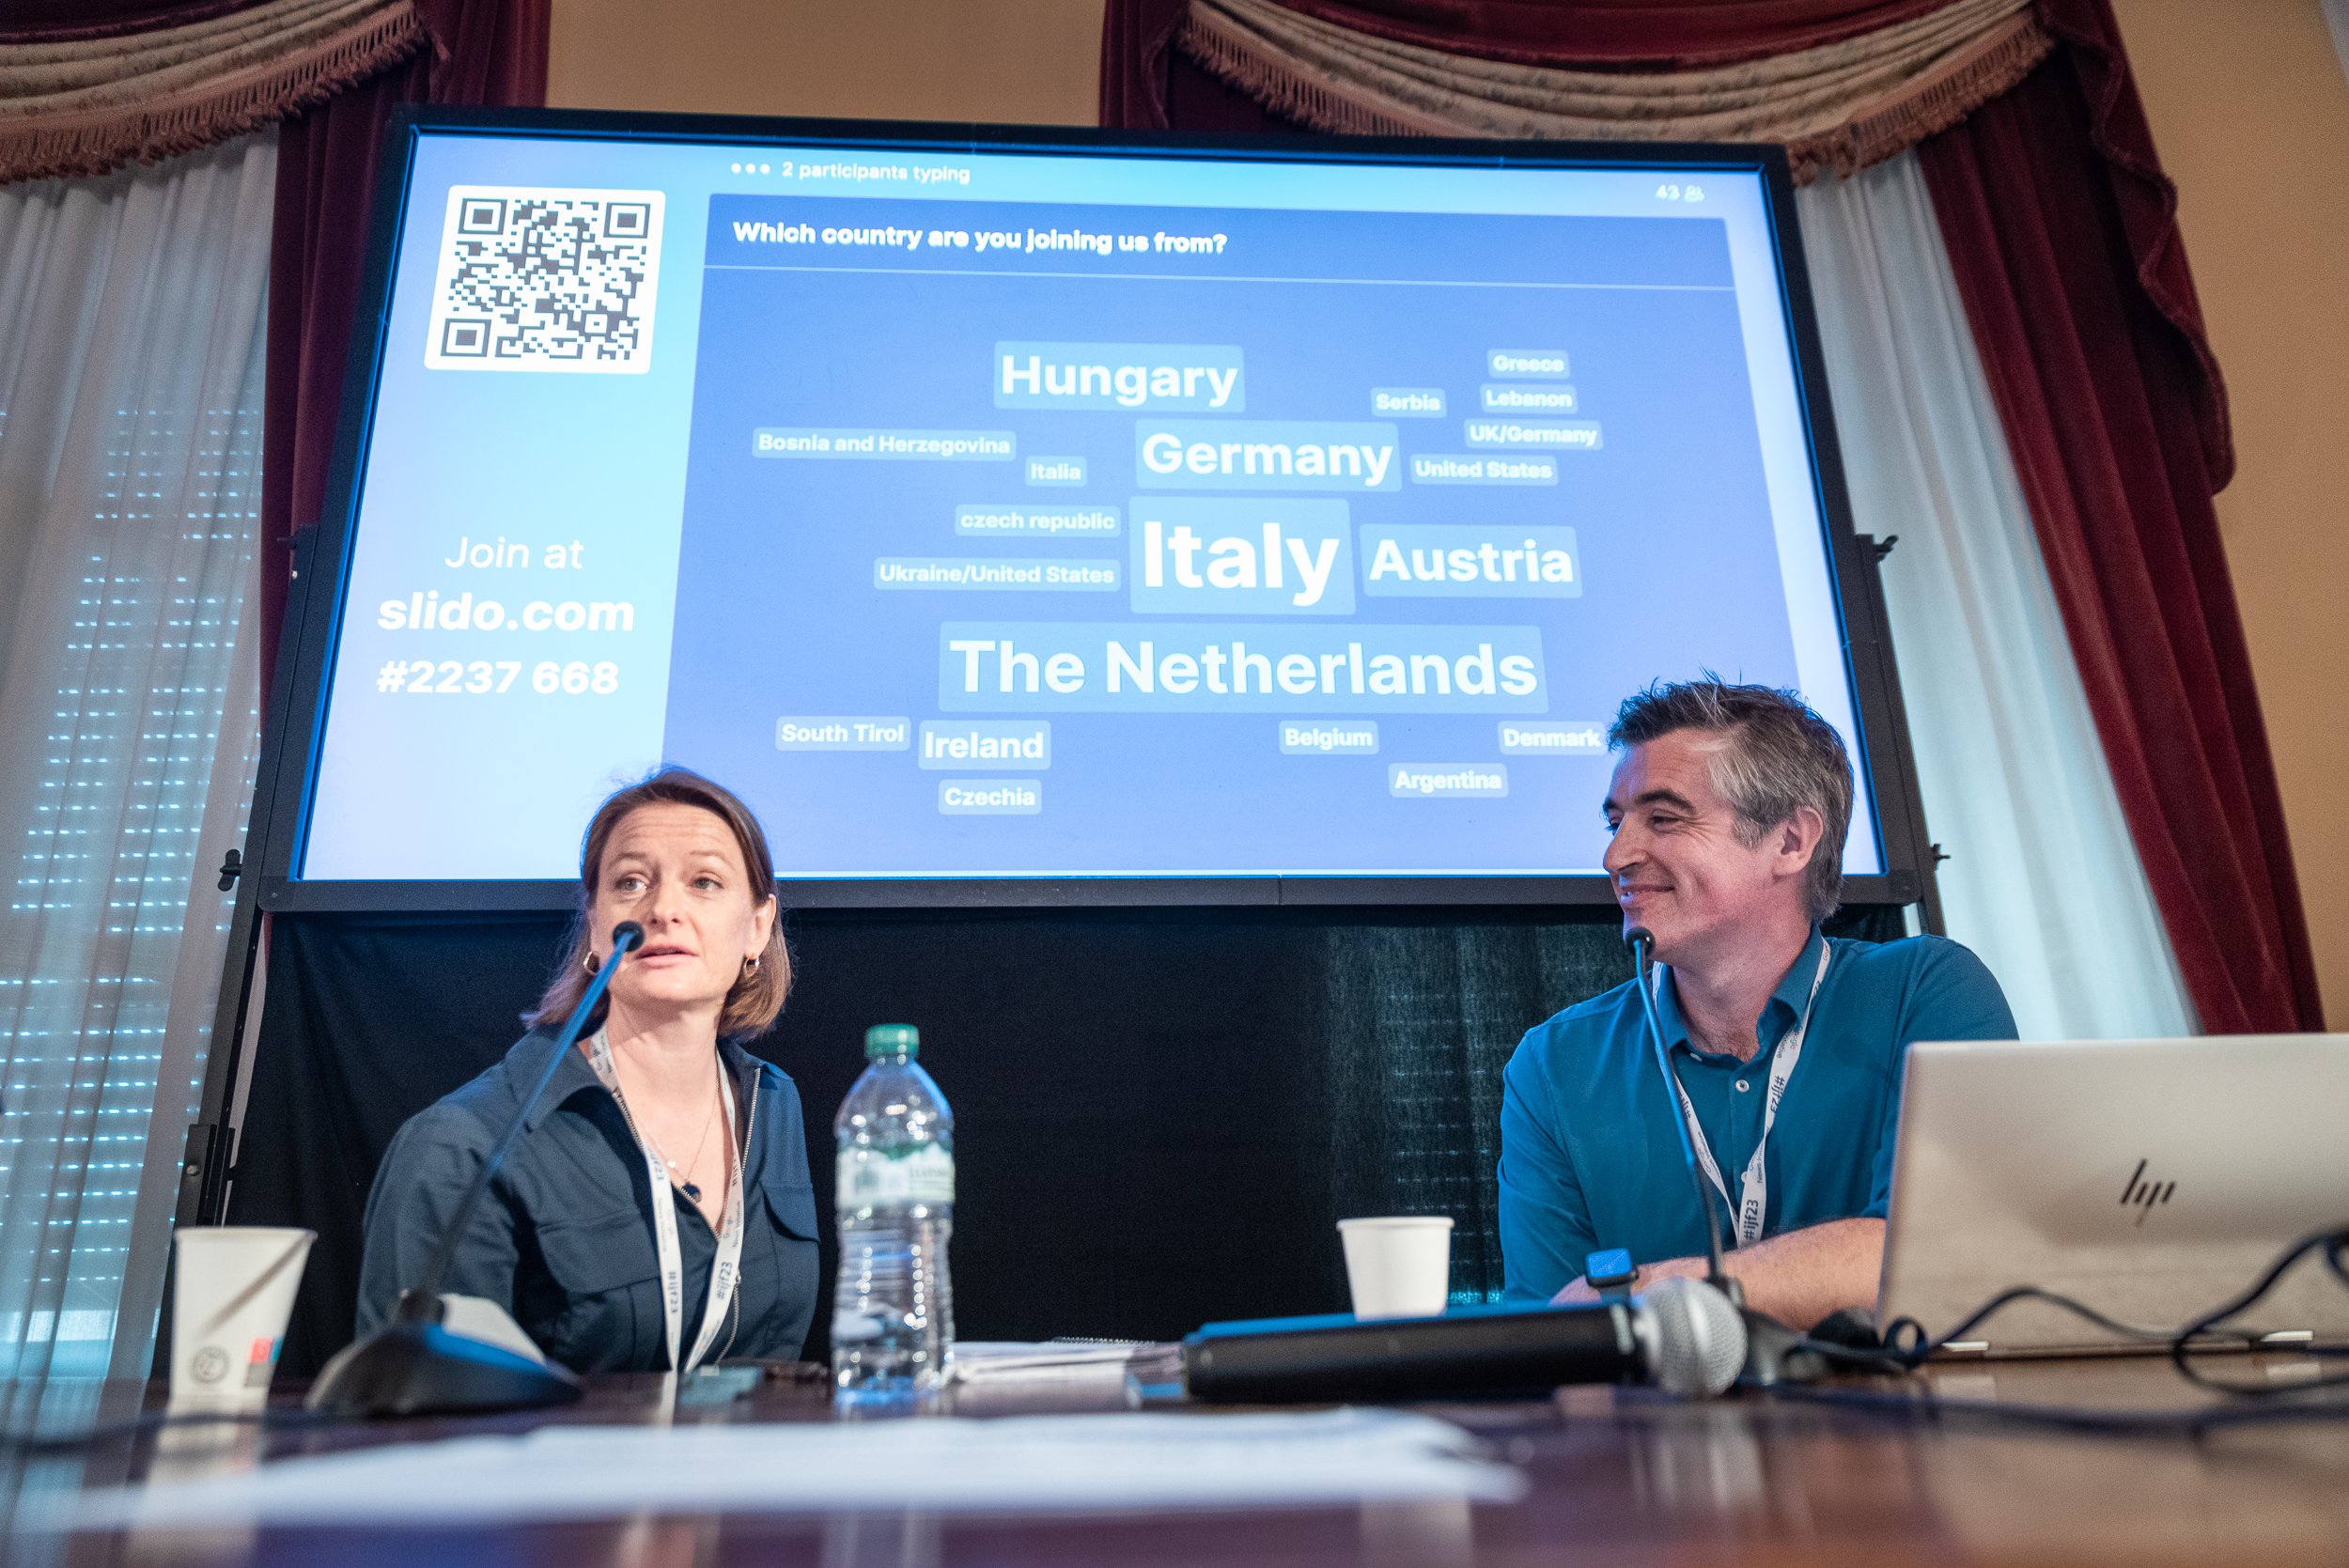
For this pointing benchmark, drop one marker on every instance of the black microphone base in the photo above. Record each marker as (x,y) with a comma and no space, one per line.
(410,1367)
(1774,1353)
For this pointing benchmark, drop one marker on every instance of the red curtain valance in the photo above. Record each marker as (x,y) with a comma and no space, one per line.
(1839,106)
(88,98)
(1633,32)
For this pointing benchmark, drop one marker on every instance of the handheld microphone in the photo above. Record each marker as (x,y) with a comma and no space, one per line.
(1679,1335)
(1642,943)
(413,1366)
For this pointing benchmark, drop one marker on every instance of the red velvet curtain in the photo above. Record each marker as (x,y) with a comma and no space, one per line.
(2063,233)
(484,52)
(1146,86)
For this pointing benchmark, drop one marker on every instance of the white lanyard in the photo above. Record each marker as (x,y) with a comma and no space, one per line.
(1754,1186)
(727,1268)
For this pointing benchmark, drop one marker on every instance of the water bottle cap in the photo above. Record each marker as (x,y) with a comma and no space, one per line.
(888,1039)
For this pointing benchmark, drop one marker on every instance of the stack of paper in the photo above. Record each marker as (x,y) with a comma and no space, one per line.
(1063,1363)
(1025,1464)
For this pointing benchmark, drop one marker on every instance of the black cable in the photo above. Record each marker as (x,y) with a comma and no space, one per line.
(1923,1402)
(2333,1241)
(2251,1401)
(1919,1349)
(1895,1356)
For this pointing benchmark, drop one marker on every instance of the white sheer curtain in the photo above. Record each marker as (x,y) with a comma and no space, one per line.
(2043,880)
(131,364)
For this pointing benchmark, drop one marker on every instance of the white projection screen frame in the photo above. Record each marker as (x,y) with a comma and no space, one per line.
(1027,517)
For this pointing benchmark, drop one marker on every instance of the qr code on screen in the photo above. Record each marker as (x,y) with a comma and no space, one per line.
(551,279)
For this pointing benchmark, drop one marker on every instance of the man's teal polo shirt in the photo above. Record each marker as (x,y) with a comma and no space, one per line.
(1589,1159)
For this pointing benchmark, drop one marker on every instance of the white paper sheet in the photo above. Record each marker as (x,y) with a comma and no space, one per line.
(1001,1364)
(1033,1464)
(982,1359)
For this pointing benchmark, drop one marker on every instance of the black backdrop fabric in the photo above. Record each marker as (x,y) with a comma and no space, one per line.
(1159,1114)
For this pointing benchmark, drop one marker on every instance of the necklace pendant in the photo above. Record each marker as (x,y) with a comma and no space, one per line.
(693,1192)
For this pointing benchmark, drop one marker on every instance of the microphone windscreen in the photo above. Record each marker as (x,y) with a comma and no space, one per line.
(1694,1336)
(1634,935)
(627,937)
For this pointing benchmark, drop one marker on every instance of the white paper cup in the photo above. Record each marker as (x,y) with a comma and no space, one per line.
(1400,1266)
(231,1298)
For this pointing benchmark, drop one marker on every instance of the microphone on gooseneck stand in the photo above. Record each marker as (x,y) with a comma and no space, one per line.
(413,1366)
(1773,1352)
(1642,944)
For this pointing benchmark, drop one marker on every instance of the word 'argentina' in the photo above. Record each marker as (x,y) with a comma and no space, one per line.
(1118,375)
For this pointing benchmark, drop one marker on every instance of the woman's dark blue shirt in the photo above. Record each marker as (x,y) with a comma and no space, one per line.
(564,1238)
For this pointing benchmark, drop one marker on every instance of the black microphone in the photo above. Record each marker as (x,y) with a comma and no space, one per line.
(413,1366)
(1642,944)
(1680,1335)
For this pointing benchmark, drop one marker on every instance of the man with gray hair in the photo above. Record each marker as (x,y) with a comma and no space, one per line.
(1728,812)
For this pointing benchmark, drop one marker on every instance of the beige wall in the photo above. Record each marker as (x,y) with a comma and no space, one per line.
(1025,62)
(2250,113)
(2248,106)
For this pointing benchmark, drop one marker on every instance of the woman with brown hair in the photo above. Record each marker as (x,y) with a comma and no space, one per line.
(658,1214)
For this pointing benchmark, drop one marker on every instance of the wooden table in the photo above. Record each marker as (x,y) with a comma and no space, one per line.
(1618,1476)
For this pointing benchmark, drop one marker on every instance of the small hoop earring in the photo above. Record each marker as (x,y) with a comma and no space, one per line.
(749,965)
(587,962)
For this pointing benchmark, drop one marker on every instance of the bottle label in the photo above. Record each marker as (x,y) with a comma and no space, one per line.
(867,1176)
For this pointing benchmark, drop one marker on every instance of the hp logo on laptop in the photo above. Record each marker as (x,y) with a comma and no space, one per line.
(2145,1195)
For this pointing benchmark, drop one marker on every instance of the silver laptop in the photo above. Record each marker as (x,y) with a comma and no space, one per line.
(2149,1179)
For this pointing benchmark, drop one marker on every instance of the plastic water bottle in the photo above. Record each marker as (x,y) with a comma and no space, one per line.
(893,1312)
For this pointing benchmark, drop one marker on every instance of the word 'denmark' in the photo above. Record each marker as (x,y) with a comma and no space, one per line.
(2143,1194)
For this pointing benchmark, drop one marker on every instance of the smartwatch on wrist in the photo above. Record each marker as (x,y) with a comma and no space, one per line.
(1610,1273)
